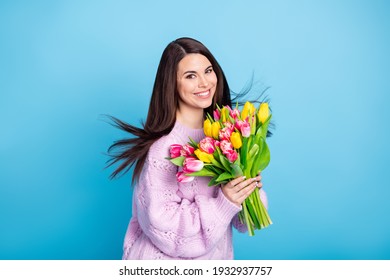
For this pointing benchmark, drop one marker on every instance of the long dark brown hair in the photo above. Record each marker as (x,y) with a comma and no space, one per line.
(163,106)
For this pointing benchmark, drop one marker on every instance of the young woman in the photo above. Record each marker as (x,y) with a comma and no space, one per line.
(173,220)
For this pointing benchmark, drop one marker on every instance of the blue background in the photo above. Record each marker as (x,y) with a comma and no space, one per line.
(65,63)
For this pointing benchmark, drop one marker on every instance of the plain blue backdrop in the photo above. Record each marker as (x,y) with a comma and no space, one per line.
(65,63)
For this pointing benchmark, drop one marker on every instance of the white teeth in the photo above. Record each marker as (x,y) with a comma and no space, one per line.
(202,93)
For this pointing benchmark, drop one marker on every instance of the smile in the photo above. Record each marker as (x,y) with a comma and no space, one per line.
(203,94)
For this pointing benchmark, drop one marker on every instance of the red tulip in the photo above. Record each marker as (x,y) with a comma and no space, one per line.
(175,150)
(186,150)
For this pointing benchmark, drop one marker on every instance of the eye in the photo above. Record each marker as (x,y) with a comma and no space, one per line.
(209,70)
(191,76)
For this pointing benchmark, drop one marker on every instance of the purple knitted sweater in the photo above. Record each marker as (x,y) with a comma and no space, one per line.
(174,220)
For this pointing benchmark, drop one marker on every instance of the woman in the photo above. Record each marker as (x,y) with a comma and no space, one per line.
(174,220)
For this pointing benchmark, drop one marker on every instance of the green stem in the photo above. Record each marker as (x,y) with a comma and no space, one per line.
(247,222)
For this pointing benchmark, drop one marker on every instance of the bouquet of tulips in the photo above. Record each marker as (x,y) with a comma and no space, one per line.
(235,145)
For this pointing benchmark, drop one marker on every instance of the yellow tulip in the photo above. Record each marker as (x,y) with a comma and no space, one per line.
(207,128)
(248,110)
(235,138)
(225,114)
(215,127)
(263,113)
(252,109)
(205,157)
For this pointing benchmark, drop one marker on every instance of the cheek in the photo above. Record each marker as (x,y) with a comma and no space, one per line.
(184,87)
(214,79)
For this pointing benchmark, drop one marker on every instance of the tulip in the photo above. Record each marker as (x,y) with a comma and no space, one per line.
(207,145)
(225,114)
(252,109)
(182,178)
(215,127)
(187,150)
(224,133)
(235,138)
(244,128)
(245,110)
(226,146)
(207,127)
(228,125)
(263,113)
(232,156)
(248,110)
(191,164)
(235,113)
(203,156)
(216,114)
(174,150)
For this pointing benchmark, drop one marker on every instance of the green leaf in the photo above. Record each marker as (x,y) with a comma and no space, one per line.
(244,151)
(217,164)
(265,156)
(213,182)
(224,176)
(178,161)
(225,162)
(236,170)
(202,173)
(193,143)
(262,160)
(253,151)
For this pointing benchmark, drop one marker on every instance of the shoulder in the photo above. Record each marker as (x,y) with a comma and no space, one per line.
(179,135)
(157,158)
(160,148)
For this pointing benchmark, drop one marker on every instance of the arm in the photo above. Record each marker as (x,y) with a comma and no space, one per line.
(177,226)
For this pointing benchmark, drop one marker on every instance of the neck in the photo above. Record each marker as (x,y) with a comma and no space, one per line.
(190,118)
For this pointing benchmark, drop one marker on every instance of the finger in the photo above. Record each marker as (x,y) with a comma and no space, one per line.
(243,184)
(245,192)
(235,182)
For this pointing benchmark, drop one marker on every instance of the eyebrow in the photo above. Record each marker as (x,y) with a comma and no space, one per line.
(194,72)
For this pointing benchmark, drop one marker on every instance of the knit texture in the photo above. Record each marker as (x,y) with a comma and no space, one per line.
(173,220)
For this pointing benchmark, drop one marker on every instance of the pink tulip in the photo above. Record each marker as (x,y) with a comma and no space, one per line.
(244,128)
(217,115)
(182,178)
(207,145)
(232,156)
(191,164)
(187,150)
(225,133)
(228,125)
(175,150)
(235,113)
(226,146)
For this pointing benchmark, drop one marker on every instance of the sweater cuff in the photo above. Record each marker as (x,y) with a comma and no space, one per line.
(227,208)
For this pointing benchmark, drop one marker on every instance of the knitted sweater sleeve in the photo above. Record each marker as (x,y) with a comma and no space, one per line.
(178,226)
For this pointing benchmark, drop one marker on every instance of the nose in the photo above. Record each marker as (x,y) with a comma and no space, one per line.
(203,81)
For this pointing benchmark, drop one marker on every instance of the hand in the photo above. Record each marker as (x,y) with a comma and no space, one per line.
(240,188)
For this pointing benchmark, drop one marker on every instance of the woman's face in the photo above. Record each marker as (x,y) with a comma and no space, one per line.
(196,82)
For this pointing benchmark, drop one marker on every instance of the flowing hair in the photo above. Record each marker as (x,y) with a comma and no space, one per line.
(163,105)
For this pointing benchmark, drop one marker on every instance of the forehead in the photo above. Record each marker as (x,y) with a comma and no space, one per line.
(193,62)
